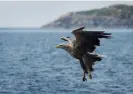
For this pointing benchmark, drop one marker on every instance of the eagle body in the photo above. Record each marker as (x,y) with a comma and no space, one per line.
(83,46)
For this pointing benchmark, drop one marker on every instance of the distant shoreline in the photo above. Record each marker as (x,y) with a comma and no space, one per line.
(60,30)
(114,16)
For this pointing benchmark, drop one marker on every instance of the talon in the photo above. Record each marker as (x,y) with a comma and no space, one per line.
(90,76)
(84,79)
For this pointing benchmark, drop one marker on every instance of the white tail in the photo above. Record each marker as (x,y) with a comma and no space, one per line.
(102,55)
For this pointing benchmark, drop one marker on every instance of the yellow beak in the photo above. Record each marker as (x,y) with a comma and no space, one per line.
(57,46)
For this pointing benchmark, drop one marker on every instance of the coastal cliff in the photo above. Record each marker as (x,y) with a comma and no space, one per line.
(114,16)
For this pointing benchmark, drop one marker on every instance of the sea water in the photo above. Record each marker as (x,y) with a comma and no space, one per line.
(30,63)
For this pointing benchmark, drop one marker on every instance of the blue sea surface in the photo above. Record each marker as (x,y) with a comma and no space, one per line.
(30,64)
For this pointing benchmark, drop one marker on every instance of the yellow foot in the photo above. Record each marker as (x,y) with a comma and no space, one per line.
(90,76)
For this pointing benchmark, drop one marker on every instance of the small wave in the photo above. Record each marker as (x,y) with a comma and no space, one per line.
(23,59)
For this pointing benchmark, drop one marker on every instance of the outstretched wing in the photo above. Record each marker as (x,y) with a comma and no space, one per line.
(87,40)
(79,29)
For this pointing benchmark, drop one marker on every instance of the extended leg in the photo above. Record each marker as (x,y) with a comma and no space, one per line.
(89,74)
(84,78)
(84,70)
(88,62)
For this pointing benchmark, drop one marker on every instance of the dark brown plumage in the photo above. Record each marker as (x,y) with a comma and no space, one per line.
(82,47)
